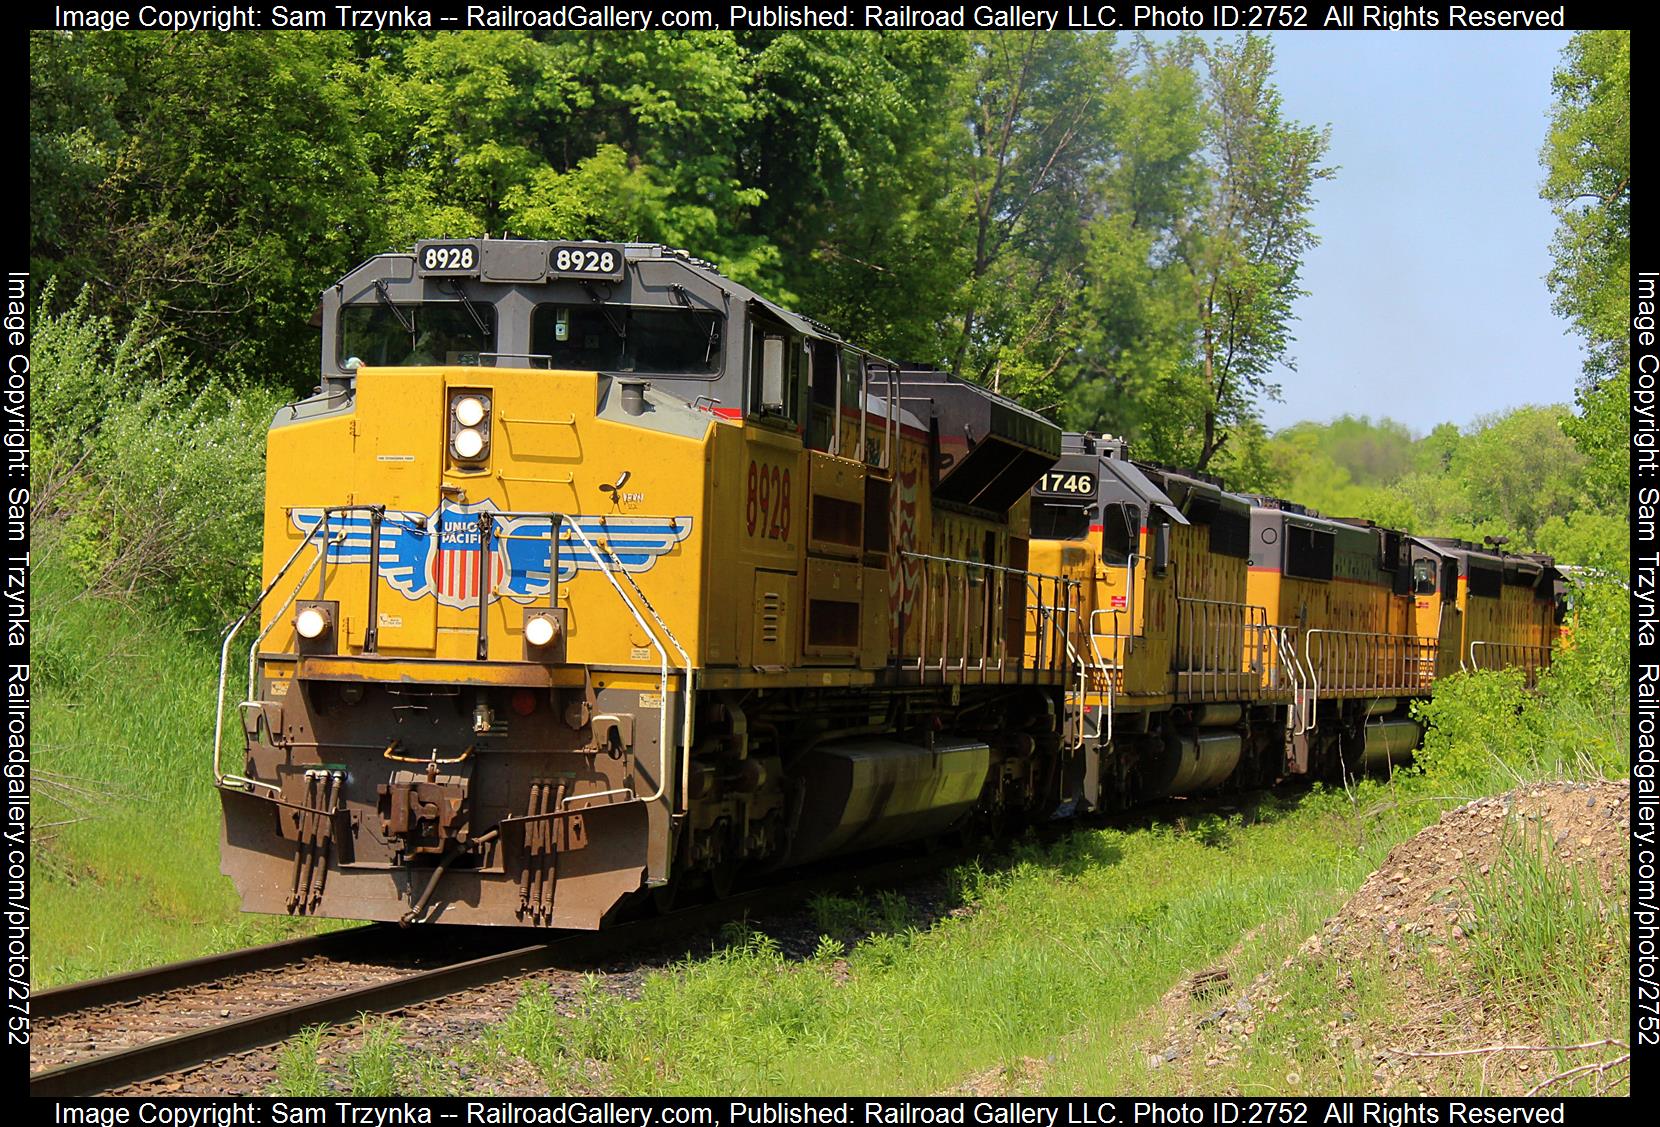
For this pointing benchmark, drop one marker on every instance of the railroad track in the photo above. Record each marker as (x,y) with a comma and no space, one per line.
(465,957)
(506,954)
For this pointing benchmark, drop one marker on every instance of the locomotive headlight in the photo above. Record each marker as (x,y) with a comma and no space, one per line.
(539,630)
(469,426)
(469,411)
(311,622)
(468,444)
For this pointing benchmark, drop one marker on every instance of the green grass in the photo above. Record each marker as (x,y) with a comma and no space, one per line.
(123,717)
(1548,954)
(1546,937)
(1075,938)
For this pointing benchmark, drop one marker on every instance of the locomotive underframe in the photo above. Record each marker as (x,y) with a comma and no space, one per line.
(385,800)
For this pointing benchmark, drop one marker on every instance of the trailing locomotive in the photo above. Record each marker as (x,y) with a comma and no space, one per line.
(591,574)
(1233,638)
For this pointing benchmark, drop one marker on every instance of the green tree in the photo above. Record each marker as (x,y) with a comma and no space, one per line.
(1133,335)
(1202,240)
(1035,122)
(1587,158)
(1248,242)
(220,180)
(1515,471)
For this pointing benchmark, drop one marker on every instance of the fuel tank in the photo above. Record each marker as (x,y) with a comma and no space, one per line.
(865,793)
(1194,761)
(1389,743)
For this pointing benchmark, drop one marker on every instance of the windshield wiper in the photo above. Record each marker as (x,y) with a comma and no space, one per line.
(617,326)
(397,310)
(455,288)
(714,335)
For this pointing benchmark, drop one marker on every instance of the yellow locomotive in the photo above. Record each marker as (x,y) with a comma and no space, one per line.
(587,568)
(589,572)
(1232,638)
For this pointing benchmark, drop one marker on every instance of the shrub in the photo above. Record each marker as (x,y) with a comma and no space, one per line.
(150,480)
(1485,731)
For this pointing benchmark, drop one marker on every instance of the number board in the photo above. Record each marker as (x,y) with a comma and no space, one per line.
(1066,483)
(767,504)
(586,260)
(447,258)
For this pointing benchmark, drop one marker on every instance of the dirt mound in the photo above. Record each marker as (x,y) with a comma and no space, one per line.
(1383,999)
(1419,889)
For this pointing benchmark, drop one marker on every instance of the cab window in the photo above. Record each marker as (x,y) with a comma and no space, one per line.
(823,389)
(1423,577)
(1120,533)
(404,336)
(621,338)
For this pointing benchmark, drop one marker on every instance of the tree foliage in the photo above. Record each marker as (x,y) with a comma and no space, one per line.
(1515,474)
(1587,158)
(1203,242)
(1080,223)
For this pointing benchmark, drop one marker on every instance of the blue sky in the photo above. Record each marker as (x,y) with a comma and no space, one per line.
(1427,298)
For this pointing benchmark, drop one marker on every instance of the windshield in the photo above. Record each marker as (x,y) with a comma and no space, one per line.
(618,338)
(401,336)
(1059,522)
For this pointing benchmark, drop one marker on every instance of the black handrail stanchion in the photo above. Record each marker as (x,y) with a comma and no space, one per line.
(486,525)
(323,564)
(371,633)
(553,560)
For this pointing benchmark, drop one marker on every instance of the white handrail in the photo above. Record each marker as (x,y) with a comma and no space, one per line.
(220,778)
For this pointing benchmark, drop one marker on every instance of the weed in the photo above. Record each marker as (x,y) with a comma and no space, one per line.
(1545,936)
(378,1065)
(300,1069)
(893,911)
(828,949)
(837,915)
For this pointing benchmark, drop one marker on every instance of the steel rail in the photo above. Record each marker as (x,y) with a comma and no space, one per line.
(184,1050)
(153,1058)
(130,987)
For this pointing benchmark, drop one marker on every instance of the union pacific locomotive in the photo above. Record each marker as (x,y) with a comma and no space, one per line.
(591,575)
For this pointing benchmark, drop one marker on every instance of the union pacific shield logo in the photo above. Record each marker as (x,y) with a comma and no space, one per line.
(455,566)
(437,553)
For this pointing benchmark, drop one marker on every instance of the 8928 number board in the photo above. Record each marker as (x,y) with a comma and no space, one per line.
(599,261)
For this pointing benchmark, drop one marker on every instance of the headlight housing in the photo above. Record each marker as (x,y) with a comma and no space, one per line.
(316,632)
(469,426)
(311,622)
(544,634)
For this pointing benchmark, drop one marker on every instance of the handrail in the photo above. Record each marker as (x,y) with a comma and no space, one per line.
(1291,661)
(1108,680)
(1051,626)
(1222,645)
(1368,662)
(686,718)
(220,778)
(487,523)
(1526,656)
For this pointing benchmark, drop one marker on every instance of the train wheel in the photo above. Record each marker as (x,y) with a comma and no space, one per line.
(670,898)
(723,879)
